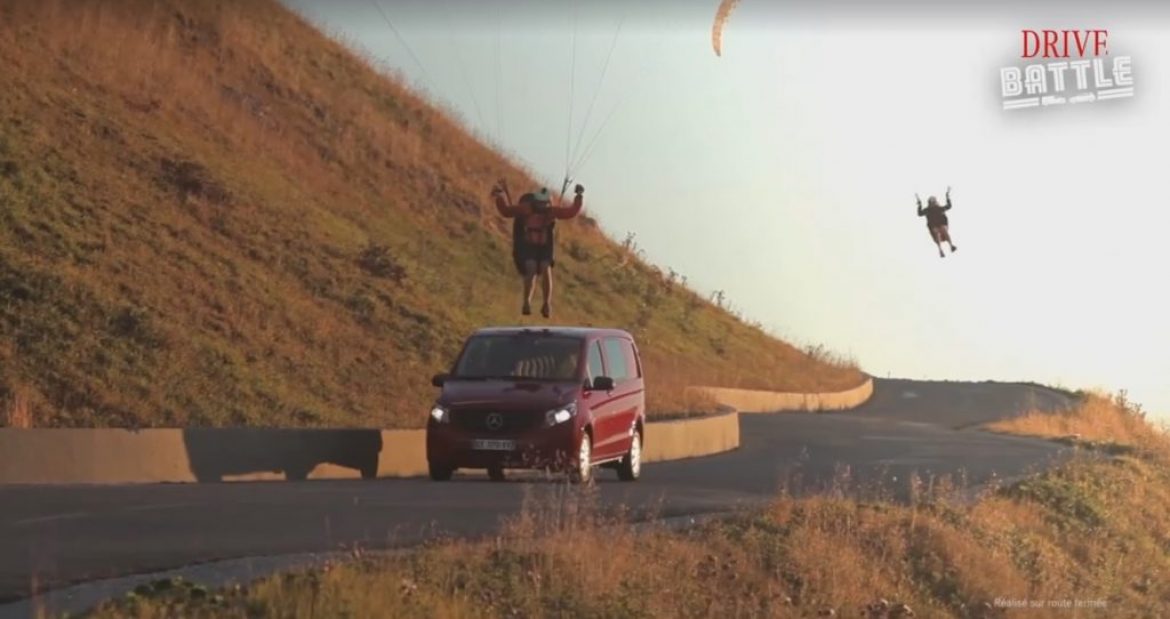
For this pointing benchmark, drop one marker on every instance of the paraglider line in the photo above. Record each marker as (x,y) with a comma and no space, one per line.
(597,91)
(405,45)
(593,141)
(463,69)
(572,81)
(642,83)
(499,125)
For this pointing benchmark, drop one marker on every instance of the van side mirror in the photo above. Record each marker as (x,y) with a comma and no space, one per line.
(602,383)
(438,379)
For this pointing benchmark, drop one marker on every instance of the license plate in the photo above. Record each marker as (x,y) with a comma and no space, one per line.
(493,444)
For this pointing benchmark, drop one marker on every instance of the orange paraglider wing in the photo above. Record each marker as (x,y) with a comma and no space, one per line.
(721,15)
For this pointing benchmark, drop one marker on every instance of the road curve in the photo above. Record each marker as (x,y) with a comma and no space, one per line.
(56,535)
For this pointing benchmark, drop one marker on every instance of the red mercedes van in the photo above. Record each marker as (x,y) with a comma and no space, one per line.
(562,398)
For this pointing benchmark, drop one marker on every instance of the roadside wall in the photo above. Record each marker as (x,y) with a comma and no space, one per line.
(689,438)
(753,401)
(115,456)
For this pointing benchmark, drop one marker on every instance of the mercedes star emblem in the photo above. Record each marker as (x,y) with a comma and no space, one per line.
(495,421)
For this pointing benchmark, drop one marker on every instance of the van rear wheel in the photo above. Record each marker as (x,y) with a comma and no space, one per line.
(630,468)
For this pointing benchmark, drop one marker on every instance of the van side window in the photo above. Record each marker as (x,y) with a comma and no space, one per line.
(615,356)
(595,367)
(632,359)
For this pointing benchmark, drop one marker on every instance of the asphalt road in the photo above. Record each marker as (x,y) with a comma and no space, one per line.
(56,535)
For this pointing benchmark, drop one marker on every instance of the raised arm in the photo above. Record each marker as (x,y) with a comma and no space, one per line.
(503,200)
(919,201)
(948,206)
(569,212)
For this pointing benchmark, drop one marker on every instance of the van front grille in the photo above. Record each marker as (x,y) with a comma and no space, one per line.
(508,421)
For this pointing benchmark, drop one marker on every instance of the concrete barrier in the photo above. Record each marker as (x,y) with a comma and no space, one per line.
(114,456)
(689,438)
(755,401)
(84,456)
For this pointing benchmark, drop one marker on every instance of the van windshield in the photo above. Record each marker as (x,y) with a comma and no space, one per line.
(520,356)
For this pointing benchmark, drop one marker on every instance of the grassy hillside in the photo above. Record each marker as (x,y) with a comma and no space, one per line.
(212,214)
(1090,538)
(1102,421)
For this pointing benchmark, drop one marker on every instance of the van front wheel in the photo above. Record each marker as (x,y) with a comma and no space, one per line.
(582,473)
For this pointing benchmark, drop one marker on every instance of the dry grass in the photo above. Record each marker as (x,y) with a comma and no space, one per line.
(1092,532)
(17,412)
(193,193)
(1098,419)
(16,407)
(1088,538)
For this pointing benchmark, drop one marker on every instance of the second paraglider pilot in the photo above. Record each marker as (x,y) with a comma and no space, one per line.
(936,221)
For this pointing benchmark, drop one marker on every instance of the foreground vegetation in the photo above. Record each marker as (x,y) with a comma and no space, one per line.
(1089,538)
(213,214)
(1109,423)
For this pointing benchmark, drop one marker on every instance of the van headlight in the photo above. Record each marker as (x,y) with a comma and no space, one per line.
(560,415)
(440,414)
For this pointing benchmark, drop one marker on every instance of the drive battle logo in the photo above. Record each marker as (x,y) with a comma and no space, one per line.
(1080,70)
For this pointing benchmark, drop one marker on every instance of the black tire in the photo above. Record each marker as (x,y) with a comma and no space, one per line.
(630,467)
(496,473)
(439,472)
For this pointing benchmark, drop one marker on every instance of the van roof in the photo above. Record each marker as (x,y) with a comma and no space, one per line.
(555,330)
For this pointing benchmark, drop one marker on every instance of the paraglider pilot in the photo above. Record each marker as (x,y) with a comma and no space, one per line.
(535,218)
(936,221)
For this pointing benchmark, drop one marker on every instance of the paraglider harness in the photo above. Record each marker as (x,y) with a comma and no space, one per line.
(935,213)
(522,250)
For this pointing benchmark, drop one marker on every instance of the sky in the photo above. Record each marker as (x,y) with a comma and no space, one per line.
(783,173)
